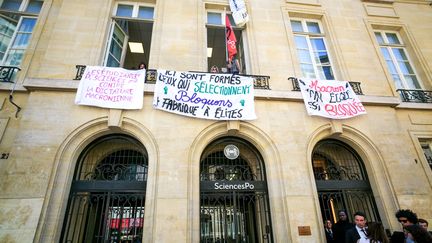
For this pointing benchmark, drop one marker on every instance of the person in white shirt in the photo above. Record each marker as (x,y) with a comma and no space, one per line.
(359,231)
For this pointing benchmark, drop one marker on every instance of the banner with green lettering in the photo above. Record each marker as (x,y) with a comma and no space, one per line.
(215,96)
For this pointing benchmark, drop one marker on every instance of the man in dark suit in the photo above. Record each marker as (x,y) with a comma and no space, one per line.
(341,227)
(405,217)
(359,231)
(329,231)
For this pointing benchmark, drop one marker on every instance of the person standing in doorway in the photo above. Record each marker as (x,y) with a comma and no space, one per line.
(341,227)
(329,231)
(359,231)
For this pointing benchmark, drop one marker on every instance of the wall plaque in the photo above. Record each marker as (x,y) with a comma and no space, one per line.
(304,230)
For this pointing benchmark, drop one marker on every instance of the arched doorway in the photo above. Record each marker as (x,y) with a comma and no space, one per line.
(342,181)
(107,196)
(234,205)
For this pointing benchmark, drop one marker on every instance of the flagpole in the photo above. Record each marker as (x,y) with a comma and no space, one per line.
(226,46)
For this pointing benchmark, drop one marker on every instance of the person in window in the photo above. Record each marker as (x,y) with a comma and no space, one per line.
(214,69)
(406,217)
(234,66)
(142,65)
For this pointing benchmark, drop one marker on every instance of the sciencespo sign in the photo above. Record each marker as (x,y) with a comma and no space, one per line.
(232,185)
(244,186)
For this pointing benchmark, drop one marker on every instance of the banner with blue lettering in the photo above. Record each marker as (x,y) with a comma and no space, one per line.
(215,96)
(331,99)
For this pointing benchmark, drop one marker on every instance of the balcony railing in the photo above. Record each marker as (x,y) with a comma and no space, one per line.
(150,75)
(6,73)
(260,82)
(354,85)
(79,72)
(415,96)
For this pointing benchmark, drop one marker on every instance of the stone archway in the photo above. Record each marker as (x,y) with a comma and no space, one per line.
(266,147)
(373,162)
(234,205)
(342,181)
(107,197)
(55,202)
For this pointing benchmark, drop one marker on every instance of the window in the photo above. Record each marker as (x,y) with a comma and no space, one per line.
(312,49)
(17,21)
(216,47)
(398,62)
(130,36)
(426,145)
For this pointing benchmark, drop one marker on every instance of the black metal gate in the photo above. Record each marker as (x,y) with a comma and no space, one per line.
(234,200)
(342,181)
(106,202)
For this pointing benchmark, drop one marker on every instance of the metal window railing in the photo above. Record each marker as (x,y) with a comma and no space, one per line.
(415,96)
(260,81)
(79,72)
(7,72)
(356,86)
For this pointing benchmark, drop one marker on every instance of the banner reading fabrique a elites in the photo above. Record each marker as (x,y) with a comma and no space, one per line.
(331,99)
(214,96)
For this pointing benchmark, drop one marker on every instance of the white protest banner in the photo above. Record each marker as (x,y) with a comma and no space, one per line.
(239,12)
(214,96)
(110,87)
(332,99)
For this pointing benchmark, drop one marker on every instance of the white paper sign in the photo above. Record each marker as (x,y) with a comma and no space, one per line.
(214,96)
(110,87)
(332,99)
(239,12)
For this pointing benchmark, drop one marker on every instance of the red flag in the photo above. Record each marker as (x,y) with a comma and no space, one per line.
(230,39)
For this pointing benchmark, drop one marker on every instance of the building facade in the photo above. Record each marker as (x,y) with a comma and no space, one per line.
(72,173)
